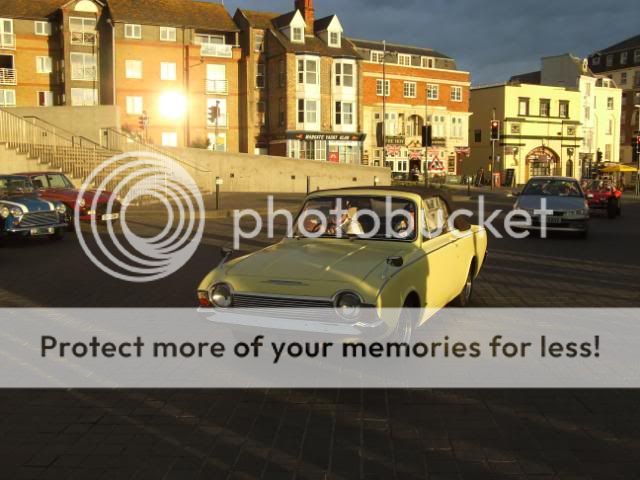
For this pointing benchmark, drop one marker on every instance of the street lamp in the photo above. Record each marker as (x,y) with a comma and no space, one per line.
(638,172)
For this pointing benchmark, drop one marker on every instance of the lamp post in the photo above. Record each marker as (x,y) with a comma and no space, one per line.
(638,159)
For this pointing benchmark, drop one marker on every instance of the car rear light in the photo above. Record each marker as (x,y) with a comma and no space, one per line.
(203,299)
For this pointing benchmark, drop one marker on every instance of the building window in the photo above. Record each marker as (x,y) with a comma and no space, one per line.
(623,78)
(607,152)
(609,60)
(545,107)
(167,34)
(404,59)
(260,110)
(83,31)
(169,139)
(456,127)
(307,111)
(133,69)
(564,109)
(636,56)
(281,112)
(456,94)
(610,103)
(282,74)
(344,74)
(167,71)
(308,72)
(377,56)
(624,57)
(334,39)
(45,99)
(133,31)
(44,65)
(433,92)
(344,113)
(297,35)
(134,106)
(386,84)
(7,98)
(217,143)
(596,60)
(258,41)
(83,67)
(42,28)
(610,127)
(477,135)
(83,97)
(221,119)
(410,89)
(260,75)
(523,107)
(426,62)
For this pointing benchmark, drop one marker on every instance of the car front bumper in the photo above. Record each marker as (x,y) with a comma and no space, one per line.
(19,229)
(565,225)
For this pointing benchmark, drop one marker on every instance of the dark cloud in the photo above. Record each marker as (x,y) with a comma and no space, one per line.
(493,39)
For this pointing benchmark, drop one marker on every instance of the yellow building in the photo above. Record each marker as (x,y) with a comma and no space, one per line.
(540,131)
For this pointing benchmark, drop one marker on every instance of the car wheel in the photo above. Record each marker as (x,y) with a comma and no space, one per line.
(58,234)
(403,332)
(463,299)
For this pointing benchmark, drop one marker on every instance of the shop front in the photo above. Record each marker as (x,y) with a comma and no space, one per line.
(542,162)
(326,147)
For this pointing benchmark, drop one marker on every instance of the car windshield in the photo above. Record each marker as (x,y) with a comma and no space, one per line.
(15,185)
(553,188)
(369,217)
(58,181)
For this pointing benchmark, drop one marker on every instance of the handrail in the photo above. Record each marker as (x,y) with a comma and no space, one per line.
(130,143)
(65,133)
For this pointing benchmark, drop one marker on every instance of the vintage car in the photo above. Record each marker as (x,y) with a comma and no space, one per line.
(23,213)
(604,195)
(563,197)
(411,261)
(56,187)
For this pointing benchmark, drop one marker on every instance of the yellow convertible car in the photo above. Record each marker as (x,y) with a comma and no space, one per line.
(358,253)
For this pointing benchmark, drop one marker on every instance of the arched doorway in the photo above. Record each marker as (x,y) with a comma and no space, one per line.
(542,162)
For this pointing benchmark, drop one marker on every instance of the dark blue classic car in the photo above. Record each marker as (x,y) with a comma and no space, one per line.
(23,213)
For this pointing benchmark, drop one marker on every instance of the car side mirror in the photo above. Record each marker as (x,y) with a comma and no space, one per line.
(462,224)
(395,262)
(225,254)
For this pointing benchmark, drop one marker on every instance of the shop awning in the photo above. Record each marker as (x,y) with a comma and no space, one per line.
(619,169)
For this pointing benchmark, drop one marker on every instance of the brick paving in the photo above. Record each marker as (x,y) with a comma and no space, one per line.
(332,434)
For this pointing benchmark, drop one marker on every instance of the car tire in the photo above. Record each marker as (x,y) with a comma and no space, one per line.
(464,298)
(403,332)
(58,234)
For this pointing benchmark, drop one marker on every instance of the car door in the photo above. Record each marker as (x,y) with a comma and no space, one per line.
(439,245)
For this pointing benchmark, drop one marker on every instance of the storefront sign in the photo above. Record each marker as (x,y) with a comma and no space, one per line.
(395,140)
(334,157)
(463,151)
(347,137)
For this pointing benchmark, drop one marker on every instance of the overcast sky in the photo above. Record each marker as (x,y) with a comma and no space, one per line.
(493,39)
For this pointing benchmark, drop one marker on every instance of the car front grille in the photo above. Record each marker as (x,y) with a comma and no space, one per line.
(39,219)
(259,301)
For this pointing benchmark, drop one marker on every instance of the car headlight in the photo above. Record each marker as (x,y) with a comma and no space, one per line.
(61,208)
(82,203)
(4,212)
(221,295)
(348,305)
(16,212)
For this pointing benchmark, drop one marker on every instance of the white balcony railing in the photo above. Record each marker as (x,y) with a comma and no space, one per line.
(8,76)
(8,41)
(83,38)
(84,73)
(217,86)
(216,50)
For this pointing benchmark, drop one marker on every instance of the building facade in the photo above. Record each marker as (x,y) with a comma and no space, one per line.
(300,86)
(540,131)
(599,108)
(167,65)
(621,63)
(409,86)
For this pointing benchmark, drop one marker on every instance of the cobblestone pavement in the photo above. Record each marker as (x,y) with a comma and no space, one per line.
(346,434)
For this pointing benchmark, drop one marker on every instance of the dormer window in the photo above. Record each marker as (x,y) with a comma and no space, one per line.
(334,39)
(297,35)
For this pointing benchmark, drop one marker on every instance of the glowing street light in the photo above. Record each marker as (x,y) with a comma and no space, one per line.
(173,105)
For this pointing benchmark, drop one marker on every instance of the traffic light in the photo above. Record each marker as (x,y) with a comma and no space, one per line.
(214,113)
(636,148)
(495,130)
(599,156)
(427,136)
(142,122)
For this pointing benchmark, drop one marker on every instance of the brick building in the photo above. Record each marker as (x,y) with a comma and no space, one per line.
(407,85)
(171,62)
(300,86)
(621,62)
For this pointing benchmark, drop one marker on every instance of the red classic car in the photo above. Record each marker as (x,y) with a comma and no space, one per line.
(604,195)
(55,186)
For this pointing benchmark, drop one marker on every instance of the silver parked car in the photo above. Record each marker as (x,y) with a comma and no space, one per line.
(564,198)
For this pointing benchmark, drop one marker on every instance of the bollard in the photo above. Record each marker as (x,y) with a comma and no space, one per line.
(218,183)
(308,184)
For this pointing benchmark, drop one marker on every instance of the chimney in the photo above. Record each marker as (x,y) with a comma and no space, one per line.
(308,12)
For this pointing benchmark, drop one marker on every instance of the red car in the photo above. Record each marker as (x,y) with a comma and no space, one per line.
(55,186)
(604,195)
